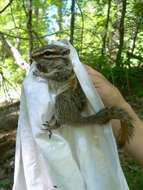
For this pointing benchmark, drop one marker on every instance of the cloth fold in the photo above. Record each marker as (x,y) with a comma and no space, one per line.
(84,158)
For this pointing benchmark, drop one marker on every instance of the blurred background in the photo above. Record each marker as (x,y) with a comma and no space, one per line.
(108,35)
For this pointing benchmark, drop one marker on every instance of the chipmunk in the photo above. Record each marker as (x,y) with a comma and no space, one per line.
(53,63)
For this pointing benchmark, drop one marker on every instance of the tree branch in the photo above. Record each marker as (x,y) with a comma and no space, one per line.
(133,56)
(40,37)
(1,11)
(11,50)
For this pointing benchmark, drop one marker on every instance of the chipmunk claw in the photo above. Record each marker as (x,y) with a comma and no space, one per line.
(47,127)
(36,73)
(46,123)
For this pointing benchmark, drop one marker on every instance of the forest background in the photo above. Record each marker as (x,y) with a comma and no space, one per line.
(108,35)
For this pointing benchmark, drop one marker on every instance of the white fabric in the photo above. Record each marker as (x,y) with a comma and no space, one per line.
(82,158)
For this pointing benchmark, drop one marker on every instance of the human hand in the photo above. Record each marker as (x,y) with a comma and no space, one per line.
(112,97)
(109,94)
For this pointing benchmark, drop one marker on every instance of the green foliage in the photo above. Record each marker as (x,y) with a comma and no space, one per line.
(134,179)
(134,175)
(91,17)
(5,183)
(129,81)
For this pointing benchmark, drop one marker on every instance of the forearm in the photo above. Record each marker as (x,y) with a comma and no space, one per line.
(135,145)
(135,120)
(111,96)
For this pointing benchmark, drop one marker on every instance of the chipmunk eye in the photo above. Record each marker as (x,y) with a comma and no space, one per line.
(39,66)
(65,52)
(47,53)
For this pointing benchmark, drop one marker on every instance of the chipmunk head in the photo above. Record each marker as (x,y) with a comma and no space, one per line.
(53,58)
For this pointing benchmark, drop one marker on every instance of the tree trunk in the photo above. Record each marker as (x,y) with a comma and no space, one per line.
(60,16)
(103,50)
(121,33)
(72,24)
(135,37)
(29,28)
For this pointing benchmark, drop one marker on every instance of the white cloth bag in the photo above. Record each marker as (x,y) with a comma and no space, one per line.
(82,158)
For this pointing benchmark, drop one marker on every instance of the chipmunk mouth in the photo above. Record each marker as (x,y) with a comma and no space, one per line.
(63,75)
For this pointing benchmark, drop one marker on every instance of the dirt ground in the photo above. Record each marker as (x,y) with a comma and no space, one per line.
(8,125)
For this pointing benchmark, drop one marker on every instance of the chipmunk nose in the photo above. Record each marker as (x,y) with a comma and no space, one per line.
(58,67)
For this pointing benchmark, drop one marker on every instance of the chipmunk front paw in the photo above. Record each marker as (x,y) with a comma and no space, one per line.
(37,73)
